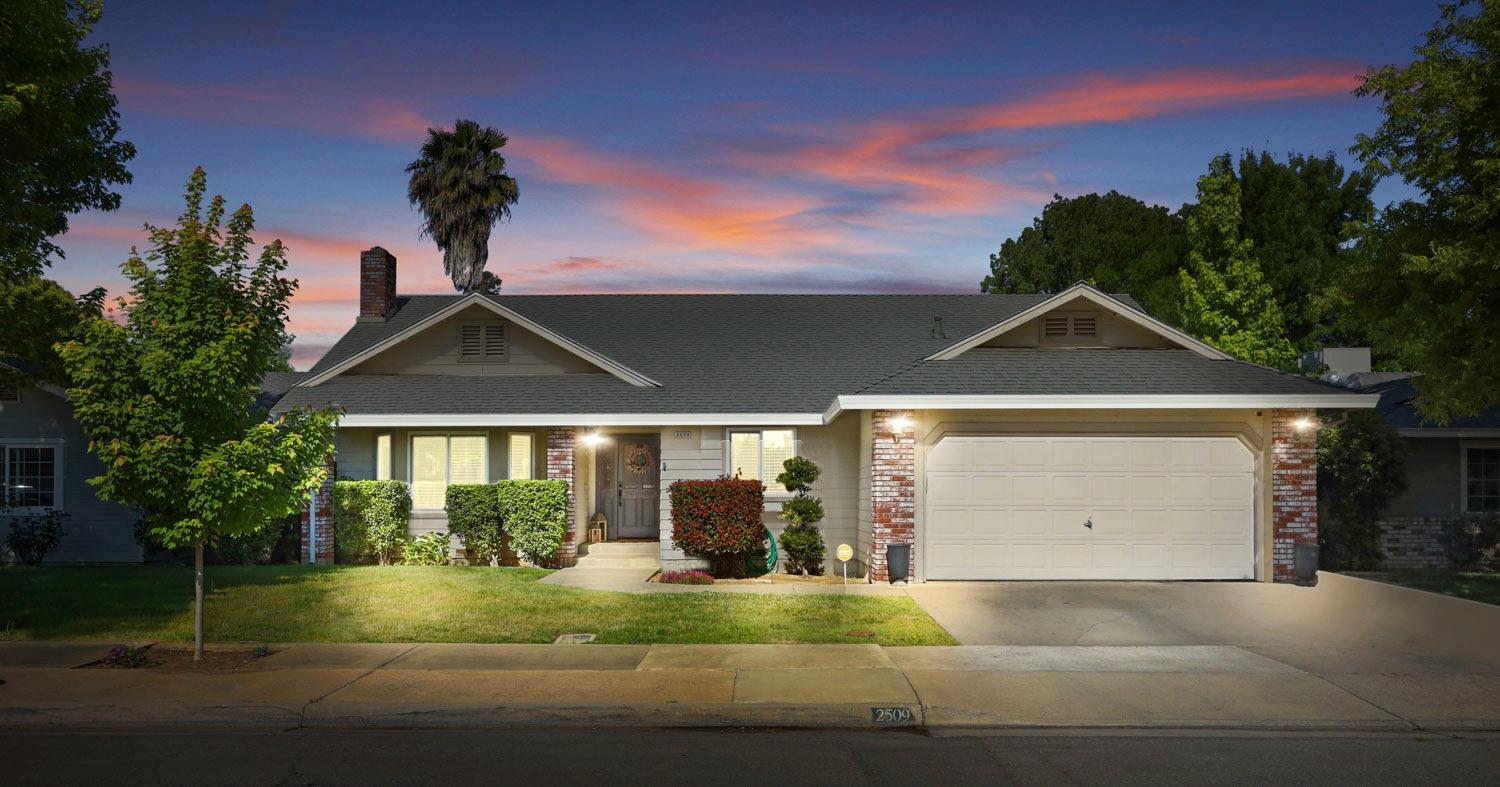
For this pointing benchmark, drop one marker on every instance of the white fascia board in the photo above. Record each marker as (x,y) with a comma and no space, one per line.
(613,367)
(1095,296)
(1109,402)
(421,420)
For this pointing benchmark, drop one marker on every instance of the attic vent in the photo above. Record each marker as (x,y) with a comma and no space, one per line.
(1085,326)
(481,342)
(1055,326)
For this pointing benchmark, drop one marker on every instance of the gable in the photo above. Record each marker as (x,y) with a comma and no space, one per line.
(475,342)
(1079,323)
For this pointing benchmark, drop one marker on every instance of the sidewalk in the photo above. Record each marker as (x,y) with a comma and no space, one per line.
(434,685)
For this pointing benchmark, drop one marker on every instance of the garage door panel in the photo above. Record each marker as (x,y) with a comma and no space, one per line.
(1161,508)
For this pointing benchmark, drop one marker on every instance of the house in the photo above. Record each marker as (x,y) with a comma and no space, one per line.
(1057,436)
(45,462)
(1452,470)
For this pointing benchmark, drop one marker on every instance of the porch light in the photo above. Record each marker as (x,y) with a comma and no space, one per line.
(1303,424)
(901,423)
(592,438)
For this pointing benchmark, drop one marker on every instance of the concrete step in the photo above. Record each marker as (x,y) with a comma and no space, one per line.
(600,561)
(622,549)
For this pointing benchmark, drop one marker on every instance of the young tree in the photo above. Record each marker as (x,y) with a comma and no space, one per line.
(1225,298)
(167,394)
(1427,286)
(58,151)
(1115,242)
(460,185)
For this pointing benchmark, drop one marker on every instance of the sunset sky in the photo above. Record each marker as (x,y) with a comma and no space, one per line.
(713,147)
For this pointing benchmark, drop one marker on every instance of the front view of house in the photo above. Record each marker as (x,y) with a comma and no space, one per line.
(1067,436)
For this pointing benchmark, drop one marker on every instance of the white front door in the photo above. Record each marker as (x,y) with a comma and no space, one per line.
(999,507)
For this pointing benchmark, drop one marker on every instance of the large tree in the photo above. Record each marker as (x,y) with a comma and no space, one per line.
(58,126)
(39,314)
(1301,214)
(1115,242)
(167,393)
(460,185)
(1427,284)
(1226,300)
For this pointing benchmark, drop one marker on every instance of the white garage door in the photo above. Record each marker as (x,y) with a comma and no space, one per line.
(1089,508)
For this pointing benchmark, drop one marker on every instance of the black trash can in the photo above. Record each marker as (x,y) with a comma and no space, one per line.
(1305,563)
(898,562)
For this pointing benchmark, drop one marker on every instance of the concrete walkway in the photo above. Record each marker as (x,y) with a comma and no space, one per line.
(434,685)
(634,580)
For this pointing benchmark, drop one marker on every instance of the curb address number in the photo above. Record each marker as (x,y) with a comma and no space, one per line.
(891,715)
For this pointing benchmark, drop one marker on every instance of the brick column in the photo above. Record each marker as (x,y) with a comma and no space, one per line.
(561,447)
(892,490)
(1294,488)
(321,500)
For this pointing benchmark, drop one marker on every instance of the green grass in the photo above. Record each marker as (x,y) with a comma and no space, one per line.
(424,604)
(1477,585)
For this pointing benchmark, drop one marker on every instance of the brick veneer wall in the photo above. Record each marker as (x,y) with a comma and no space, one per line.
(1294,489)
(892,490)
(562,444)
(1416,542)
(326,535)
(377,284)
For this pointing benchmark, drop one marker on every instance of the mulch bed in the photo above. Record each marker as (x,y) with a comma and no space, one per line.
(178,658)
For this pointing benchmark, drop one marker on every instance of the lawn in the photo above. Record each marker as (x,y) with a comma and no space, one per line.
(425,604)
(1476,585)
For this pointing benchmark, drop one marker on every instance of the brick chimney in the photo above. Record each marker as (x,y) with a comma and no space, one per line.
(377,285)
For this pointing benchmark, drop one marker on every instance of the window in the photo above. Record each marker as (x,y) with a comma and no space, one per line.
(30,474)
(10,392)
(1481,478)
(521,453)
(760,454)
(440,460)
(481,341)
(382,457)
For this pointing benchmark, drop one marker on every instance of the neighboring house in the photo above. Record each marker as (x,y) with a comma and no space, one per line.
(45,463)
(1452,471)
(1002,436)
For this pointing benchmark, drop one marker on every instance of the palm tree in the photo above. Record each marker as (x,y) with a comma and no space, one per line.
(460,186)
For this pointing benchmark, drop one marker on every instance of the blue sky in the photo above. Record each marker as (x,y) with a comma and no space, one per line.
(697,147)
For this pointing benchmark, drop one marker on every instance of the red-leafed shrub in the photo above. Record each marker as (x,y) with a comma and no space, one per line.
(718,520)
(688,577)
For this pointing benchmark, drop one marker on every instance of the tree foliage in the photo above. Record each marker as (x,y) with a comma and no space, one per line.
(1226,300)
(1426,286)
(37,314)
(167,394)
(460,185)
(58,127)
(1115,242)
(1361,466)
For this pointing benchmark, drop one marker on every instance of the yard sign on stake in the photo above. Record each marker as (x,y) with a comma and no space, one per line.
(844,553)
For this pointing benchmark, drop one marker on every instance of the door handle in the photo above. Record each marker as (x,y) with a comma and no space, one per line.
(1089,523)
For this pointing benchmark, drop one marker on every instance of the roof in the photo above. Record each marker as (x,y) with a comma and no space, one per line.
(763,354)
(1398,405)
(275,385)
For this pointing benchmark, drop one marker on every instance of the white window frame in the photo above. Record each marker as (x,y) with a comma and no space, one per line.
(1463,472)
(58,463)
(448,467)
(510,472)
(772,488)
(389,468)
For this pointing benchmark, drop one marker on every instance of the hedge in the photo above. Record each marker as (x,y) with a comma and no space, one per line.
(718,519)
(474,515)
(370,519)
(534,515)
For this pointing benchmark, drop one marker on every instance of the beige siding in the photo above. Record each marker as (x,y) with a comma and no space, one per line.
(435,351)
(95,531)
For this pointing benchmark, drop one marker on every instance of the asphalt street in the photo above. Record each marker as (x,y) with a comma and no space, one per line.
(739,756)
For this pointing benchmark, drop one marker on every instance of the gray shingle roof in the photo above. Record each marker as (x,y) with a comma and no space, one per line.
(769,354)
(1398,405)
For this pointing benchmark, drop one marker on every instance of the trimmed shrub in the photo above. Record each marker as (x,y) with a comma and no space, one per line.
(718,519)
(687,577)
(801,541)
(428,549)
(534,515)
(33,536)
(474,515)
(369,520)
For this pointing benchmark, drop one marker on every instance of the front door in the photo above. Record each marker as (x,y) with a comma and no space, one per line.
(629,480)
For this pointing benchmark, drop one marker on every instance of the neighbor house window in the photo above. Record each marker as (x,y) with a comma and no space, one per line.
(30,474)
(520,456)
(440,460)
(382,457)
(759,454)
(1481,478)
(481,341)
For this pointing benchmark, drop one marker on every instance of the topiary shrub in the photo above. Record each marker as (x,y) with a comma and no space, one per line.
(370,520)
(33,536)
(1361,466)
(428,549)
(718,519)
(801,540)
(474,515)
(534,515)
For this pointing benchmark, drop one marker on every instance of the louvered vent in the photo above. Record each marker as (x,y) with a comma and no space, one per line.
(1055,326)
(1085,326)
(471,341)
(494,341)
(481,342)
